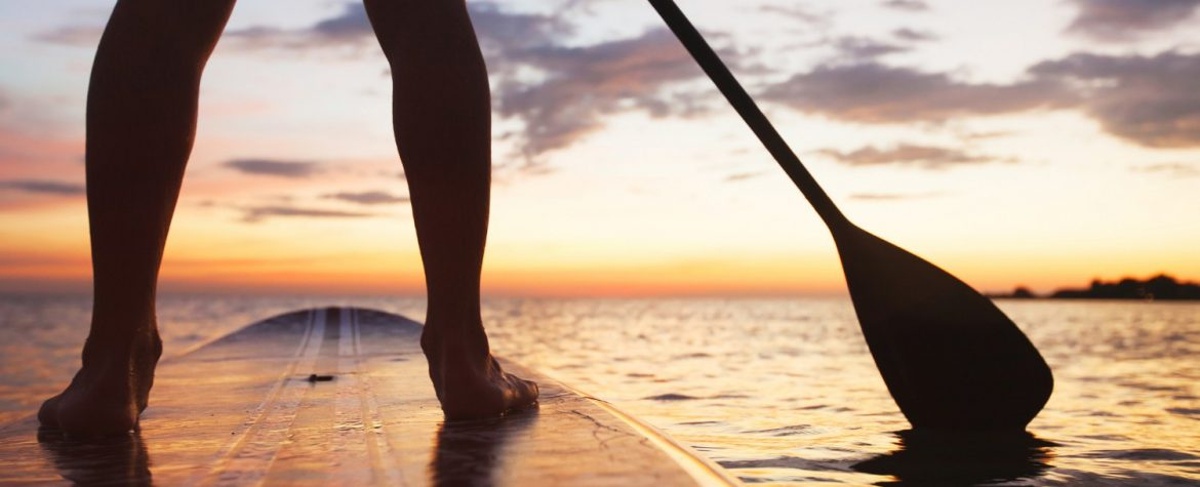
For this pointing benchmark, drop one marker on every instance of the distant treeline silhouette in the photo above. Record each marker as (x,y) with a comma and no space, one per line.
(1161,287)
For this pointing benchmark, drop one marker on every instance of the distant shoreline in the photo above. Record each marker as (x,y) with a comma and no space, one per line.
(1158,288)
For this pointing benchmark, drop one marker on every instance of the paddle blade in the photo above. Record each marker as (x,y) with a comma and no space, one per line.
(950,358)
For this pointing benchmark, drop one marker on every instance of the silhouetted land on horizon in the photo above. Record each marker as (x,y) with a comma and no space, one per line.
(1158,288)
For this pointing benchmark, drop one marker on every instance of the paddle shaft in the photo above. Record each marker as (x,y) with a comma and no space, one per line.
(749,111)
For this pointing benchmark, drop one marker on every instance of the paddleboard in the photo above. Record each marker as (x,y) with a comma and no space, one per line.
(341,396)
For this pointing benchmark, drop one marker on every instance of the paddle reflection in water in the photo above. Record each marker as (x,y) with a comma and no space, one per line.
(472,452)
(116,460)
(925,457)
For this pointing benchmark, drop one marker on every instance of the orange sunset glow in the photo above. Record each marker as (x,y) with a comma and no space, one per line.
(1010,144)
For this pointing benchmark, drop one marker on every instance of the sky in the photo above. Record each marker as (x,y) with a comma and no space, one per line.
(1042,143)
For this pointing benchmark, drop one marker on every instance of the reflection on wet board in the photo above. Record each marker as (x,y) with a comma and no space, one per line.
(340,396)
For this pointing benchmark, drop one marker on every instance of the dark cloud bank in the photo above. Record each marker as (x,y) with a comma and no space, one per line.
(1152,101)
(1122,20)
(872,92)
(1149,100)
(561,93)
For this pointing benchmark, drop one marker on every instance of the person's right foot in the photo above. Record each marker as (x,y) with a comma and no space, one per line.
(109,392)
(469,382)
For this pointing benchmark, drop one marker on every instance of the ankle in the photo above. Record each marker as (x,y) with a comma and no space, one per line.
(122,344)
(122,324)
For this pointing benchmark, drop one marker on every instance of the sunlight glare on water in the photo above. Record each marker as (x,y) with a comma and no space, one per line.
(785,391)
(778,391)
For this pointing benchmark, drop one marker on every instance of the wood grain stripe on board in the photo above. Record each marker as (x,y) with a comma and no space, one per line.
(362,456)
(249,458)
(383,459)
(352,458)
(305,455)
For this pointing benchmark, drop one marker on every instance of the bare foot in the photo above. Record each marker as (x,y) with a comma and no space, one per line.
(468,380)
(110,391)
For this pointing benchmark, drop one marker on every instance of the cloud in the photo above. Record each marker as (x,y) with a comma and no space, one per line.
(511,34)
(72,35)
(558,92)
(350,28)
(40,186)
(498,31)
(742,176)
(1148,100)
(871,92)
(929,157)
(561,93)
(259,213)
(1173,169)
(994,134)
(1123,20)
(891,196)
(582,84)
(907,5)
(796,12)
(913,35)
(351,24)
(1152,101)
(863,48)
(368,197)
(266,167)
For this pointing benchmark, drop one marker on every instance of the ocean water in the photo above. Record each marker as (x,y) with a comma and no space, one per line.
(778,391)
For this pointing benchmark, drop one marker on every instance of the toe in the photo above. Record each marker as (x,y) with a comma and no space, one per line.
(525,392)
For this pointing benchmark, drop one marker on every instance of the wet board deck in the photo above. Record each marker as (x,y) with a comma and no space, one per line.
(243,411)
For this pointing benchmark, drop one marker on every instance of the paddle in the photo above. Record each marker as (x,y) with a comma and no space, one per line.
(949,357)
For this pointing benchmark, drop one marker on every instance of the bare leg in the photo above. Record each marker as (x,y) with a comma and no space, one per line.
(442,118)
(141,122)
